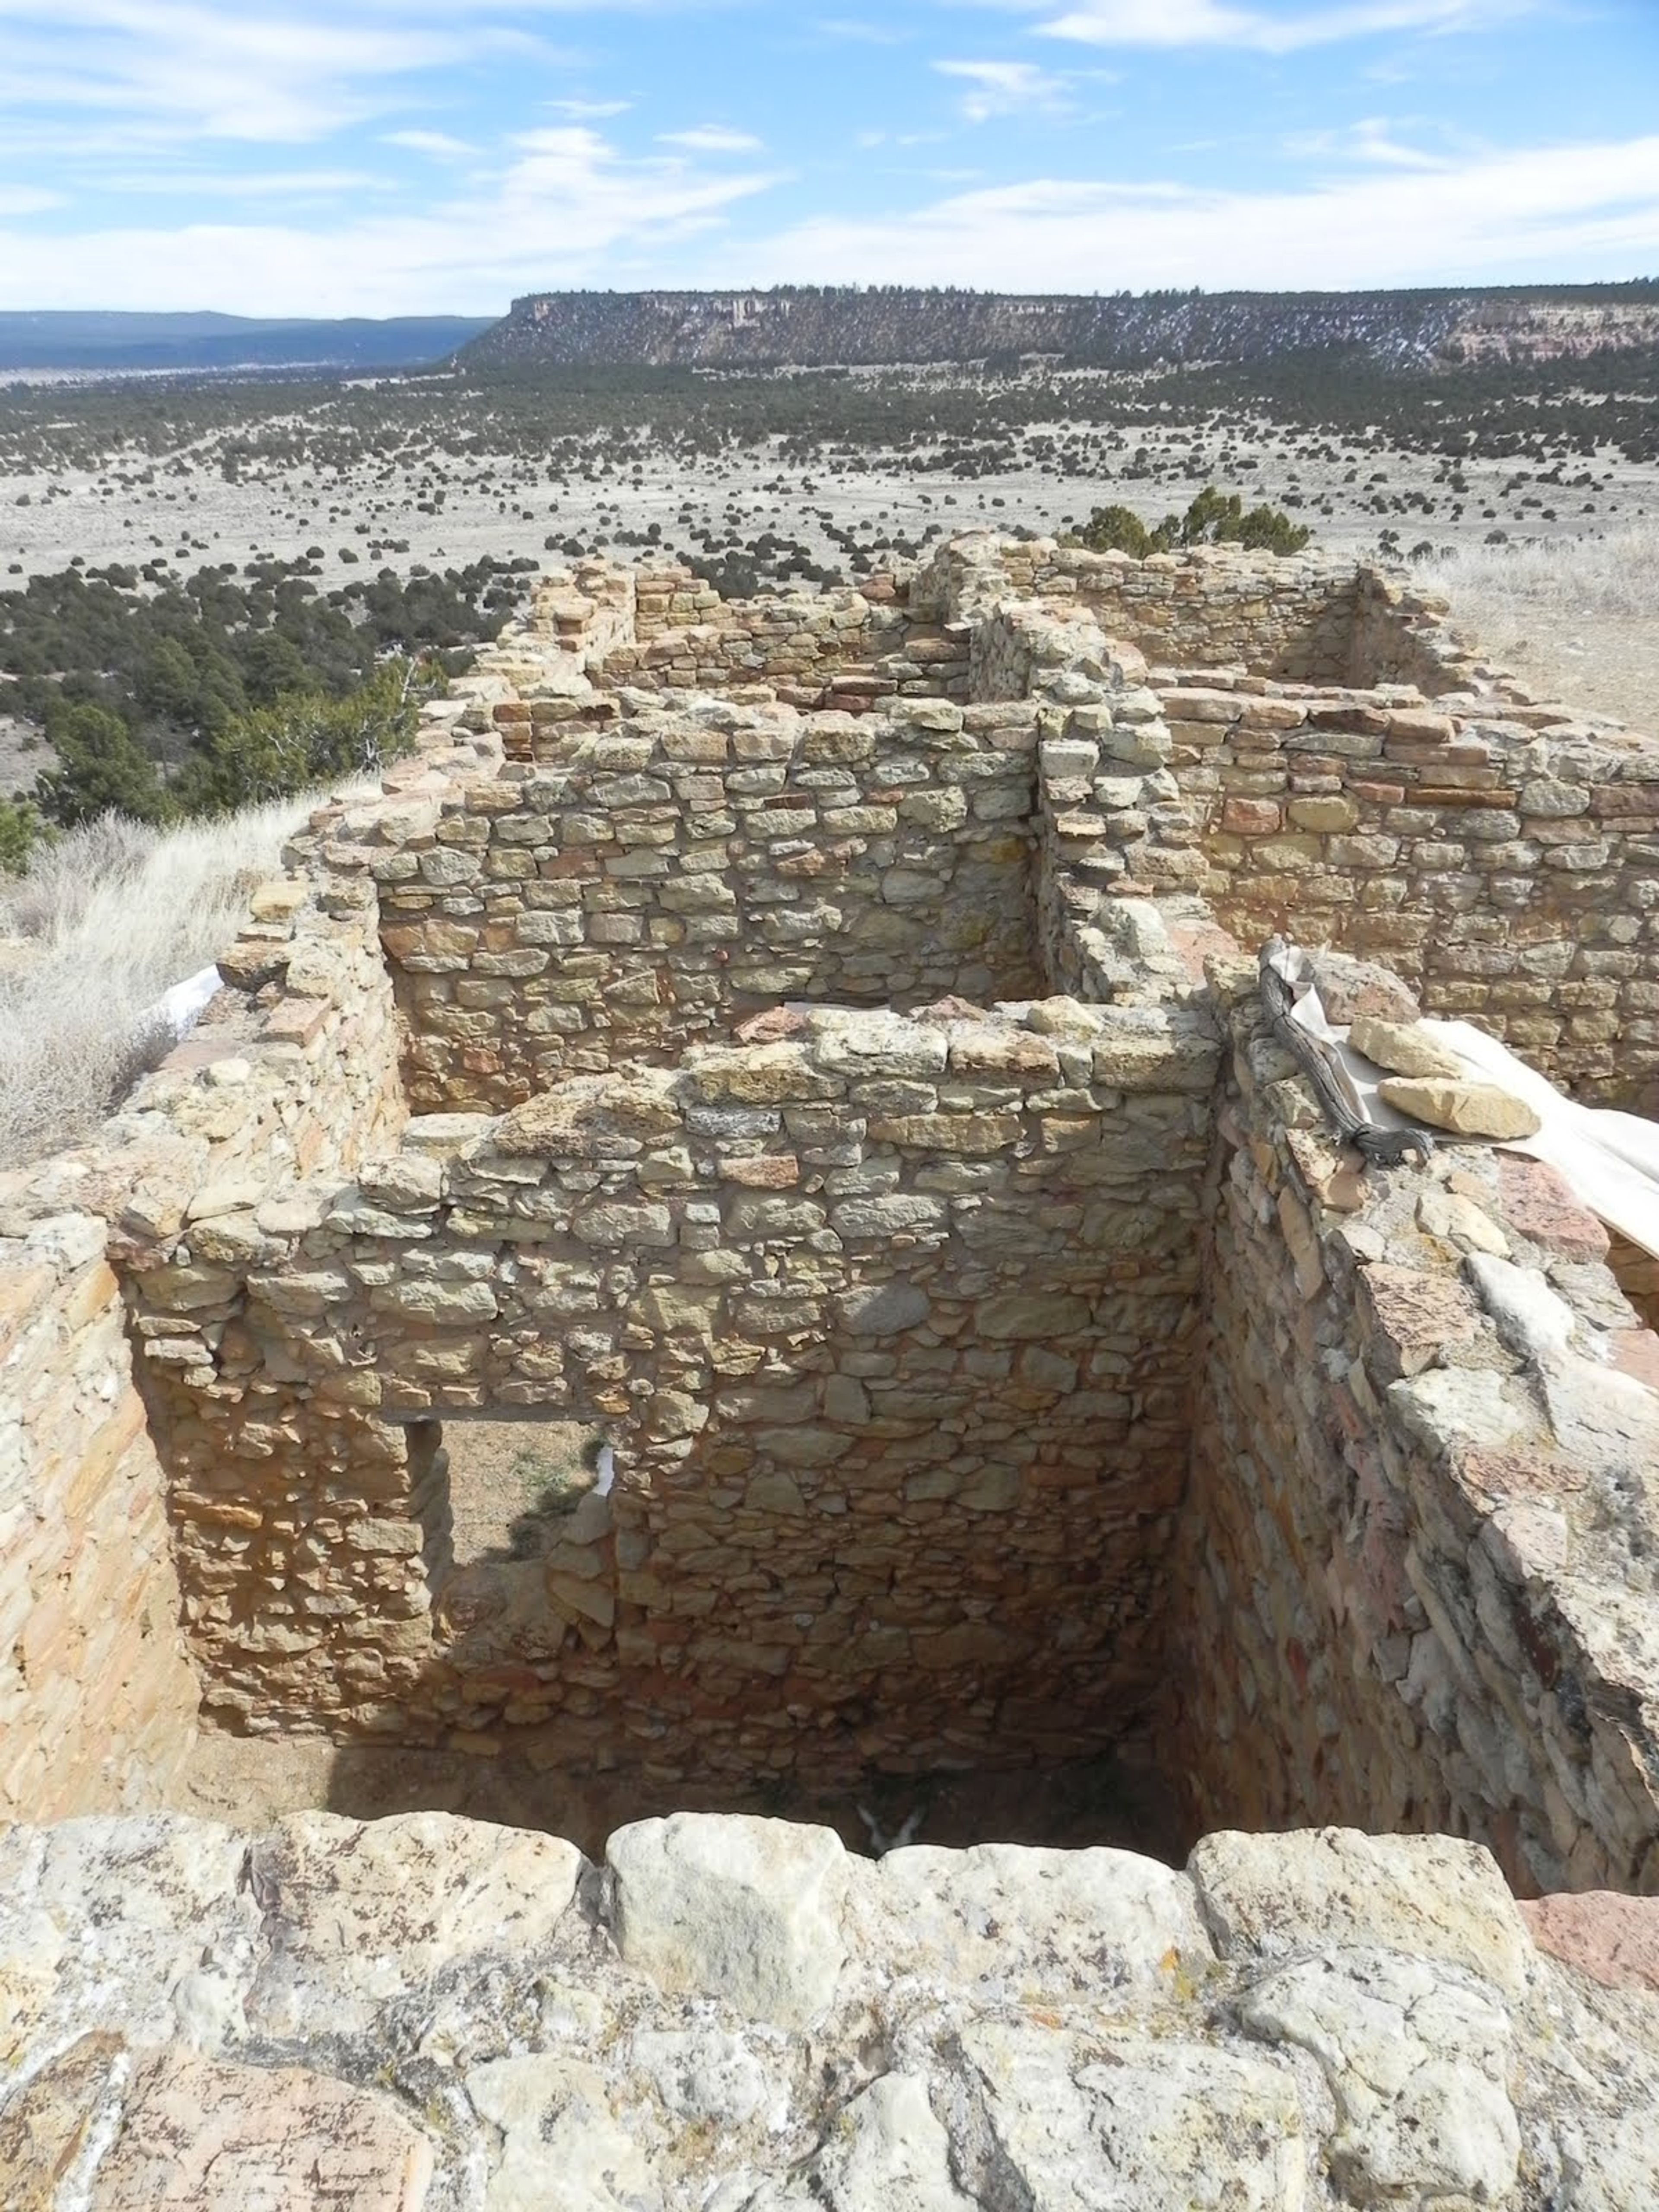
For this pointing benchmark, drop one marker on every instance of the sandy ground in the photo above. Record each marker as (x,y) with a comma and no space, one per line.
(495,504)
(1609,666)
(511,1482)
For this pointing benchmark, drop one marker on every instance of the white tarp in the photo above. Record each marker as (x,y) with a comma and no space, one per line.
(178,1009)
(1610,1159)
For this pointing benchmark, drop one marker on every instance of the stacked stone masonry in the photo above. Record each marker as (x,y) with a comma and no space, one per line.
(429,2014)
(846,1092)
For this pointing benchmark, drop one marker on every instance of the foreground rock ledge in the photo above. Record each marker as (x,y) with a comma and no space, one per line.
(427,2013)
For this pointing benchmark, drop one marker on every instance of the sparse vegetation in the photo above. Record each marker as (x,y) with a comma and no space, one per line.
(1213,519)
(107,919)
(162,697)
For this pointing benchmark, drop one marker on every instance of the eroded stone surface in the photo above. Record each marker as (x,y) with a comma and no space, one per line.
(1467,1109)
(1405,1048)
(747,1908)
(1265,1896)
(995,2029)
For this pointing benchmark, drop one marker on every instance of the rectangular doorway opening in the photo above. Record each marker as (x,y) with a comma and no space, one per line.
(513,1483)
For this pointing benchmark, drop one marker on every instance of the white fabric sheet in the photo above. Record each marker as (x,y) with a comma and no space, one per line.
(1610,1159)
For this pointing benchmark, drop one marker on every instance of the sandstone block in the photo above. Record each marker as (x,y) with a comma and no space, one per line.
(1416,2064)
(883,1310)
(739,1907)
(200,2136)
(362,1914)
(1178,2116)
(1457,1219)
(555,2116)
(1466,1109)
(1428,1896)
(1033,1315)
(1407,1049)
(887,2149)
(1613,1938)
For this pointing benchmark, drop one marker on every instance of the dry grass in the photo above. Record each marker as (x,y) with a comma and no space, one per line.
(106,921)
(1575,617)
(1614,574)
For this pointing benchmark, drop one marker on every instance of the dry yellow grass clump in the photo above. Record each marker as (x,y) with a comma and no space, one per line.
(106,922)
(1576,618)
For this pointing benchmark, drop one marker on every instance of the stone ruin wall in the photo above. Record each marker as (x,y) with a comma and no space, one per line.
(309,1279)
(1417,1524)
(98,1700)
(889,1321)
(642,888)
(99,1697)
(1502,859)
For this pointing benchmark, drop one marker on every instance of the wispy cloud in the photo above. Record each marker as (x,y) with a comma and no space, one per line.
(1373,139)
(166,66)
(1004,87)
(1219,23)
(26,199)
(1499,217)
(570,209)
(860,33)
(587,111)
(711,138)
(439,143)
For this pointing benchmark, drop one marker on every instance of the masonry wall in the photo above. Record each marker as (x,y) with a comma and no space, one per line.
(295,1072)
(895,1320)
(644,888)
(661,629)
(97,1700)
(890,1323)
(1501,862)
(1411,1569)
(1202,608)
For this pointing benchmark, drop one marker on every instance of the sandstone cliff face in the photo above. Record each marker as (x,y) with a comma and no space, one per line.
(814,326)
(426,2015)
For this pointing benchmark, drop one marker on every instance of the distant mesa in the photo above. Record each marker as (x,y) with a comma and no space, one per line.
(138,343)
(812,327)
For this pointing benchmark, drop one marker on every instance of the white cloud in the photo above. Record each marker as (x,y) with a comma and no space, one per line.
(572,210)
(439,143)
(569,211)
(711,138)
(860,33)
(1372,139)
(171,66)
(587,111)
(1218,22)
(1503,217)
(289,74)
(1003,88)
(25,199)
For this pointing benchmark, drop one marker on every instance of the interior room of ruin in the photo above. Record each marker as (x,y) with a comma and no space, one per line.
(807,1055)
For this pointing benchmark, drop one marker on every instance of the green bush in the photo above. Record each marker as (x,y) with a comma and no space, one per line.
(1117,529)
(304,737)
(102,768)
(21,831)
(1214,518)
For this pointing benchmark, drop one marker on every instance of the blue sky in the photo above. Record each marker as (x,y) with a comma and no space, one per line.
(406,156)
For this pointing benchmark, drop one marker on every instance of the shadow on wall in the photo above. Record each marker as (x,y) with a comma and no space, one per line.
(1080,1803)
